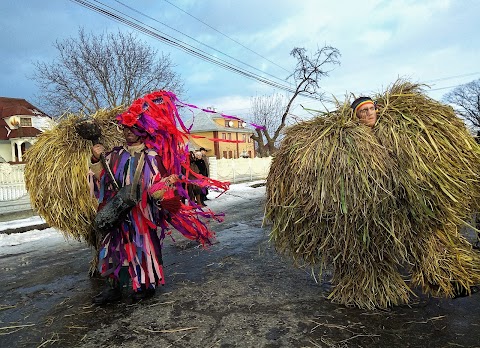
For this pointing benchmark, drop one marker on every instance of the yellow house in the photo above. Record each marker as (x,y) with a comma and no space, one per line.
(212,125)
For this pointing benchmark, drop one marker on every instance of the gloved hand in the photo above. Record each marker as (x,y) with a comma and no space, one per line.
(162,185)
(163,191)
(97,150)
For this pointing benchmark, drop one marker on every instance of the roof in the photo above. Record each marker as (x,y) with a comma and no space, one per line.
(15,106)
(204,122)
(22,132)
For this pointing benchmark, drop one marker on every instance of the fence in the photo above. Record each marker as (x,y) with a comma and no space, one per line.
(239,169)
(12,182)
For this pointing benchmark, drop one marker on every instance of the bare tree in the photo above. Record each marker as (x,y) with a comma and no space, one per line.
(102,71)
(466,99)
(307,74)
(267,110)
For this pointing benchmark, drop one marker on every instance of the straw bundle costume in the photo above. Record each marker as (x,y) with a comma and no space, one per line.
(56,174)
(376,204)
(130,249)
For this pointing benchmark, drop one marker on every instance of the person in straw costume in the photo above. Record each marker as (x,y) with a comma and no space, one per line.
(383,200)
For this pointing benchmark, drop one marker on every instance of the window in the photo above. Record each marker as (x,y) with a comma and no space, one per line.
(224,154)
(244,138)
(230,154)
(25,122)
(226,123)
(224,136)
(250,139)
(229,136)
(250,154)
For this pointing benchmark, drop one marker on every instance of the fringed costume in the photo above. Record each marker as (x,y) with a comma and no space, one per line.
(71,199)
(135,243)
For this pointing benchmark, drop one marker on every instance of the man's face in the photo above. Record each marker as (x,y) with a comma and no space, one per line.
(367,114)
(130,137)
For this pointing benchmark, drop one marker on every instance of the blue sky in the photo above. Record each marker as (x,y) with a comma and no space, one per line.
(429,41)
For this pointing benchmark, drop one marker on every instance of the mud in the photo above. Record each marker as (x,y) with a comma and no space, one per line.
(238,293)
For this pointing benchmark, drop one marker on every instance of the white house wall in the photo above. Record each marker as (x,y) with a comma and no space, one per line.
(42,123)
(5,150)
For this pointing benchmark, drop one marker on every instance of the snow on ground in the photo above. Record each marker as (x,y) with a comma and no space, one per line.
(216,202)
(34,240)
(31,221)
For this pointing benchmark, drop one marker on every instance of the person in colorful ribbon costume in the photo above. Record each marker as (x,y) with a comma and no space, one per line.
(154,153)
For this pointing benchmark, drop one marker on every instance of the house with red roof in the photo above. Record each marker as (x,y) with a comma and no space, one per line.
(20,123)
(221,137)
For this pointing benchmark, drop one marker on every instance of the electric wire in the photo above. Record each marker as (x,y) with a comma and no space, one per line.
(228,37)
(452,77)
(169,40)
(191,38)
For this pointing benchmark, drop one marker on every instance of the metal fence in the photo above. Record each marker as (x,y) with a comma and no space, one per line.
(12,182)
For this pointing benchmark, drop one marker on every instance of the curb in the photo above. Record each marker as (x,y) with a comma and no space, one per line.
(24,229)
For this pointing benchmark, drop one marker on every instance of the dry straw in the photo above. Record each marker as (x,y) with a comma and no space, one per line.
(56,174)
(381,206)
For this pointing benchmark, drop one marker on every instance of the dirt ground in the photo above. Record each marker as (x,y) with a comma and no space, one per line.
(238,293)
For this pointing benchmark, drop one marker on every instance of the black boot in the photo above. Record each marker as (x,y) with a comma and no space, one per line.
(476,245)
(108,295)
(461,291)
(143,294)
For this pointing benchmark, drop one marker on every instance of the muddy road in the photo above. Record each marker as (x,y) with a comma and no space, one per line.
(238,293)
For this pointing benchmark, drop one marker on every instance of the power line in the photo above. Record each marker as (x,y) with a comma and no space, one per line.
(174,42)
(182,45)
(455,86)
(191,38)
(440,88)
(452,77)
(434,89)
(228,37)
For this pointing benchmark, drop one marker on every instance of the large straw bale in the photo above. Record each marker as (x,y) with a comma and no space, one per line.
(440,160)
(56,174)
(367,202)
(444,260)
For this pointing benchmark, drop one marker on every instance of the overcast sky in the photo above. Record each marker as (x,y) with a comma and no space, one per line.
(429,41)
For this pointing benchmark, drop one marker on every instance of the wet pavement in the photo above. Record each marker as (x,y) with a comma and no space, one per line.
(238,293)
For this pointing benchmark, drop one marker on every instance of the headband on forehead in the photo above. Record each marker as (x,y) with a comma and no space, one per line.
(361,101)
